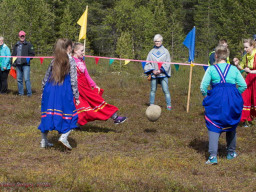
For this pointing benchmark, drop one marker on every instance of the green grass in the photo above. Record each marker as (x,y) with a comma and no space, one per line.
(167,155)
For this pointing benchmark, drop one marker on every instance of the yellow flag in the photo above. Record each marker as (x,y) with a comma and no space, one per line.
(83,23)
(14,59)
(126,62)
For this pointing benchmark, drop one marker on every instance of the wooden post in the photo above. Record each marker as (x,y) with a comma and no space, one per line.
(189,86)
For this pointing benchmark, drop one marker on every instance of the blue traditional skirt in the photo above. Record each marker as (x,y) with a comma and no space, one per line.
(223,107)
(58,111)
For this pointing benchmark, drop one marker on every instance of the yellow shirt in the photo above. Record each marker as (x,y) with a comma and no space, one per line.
(250,59)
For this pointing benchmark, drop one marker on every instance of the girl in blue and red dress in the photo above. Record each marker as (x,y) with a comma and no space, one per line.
(58,111)
(248,64)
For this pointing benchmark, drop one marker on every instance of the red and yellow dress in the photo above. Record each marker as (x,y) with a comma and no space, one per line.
(92,106)
(249,95)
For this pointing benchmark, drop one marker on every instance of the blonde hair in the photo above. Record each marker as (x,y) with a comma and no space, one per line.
(76,46)
(221,52)
(250,41)
(61,65)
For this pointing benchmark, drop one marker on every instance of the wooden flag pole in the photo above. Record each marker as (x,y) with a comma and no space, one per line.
(189,86)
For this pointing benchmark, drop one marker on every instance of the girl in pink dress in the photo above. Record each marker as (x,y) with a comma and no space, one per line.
(92,106)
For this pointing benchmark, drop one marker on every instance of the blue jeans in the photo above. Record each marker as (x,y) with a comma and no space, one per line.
(23,70)
(165,88)
(214,140)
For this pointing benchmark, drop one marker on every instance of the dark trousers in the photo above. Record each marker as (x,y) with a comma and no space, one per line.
(4,84)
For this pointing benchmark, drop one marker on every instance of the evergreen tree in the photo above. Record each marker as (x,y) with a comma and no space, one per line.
(68,27)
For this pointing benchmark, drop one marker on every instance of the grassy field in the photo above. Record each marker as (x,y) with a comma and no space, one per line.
(167,155)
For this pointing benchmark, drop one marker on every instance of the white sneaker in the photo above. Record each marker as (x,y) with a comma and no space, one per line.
(64,142)
(44,144)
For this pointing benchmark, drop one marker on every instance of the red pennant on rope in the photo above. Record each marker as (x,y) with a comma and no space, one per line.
(159,65)
(13,73)
(41,60)
(96,60)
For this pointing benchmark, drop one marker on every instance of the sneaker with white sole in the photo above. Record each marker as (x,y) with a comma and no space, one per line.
(231,155)
(120,119)
(212,161)
(44,144)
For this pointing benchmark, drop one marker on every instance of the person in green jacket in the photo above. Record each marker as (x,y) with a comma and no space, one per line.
(5,65)
(211,61)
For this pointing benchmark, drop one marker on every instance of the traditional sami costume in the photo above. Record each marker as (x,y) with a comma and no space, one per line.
(249,95)
(223,104)
(92,106)
(58,111)
(159,59)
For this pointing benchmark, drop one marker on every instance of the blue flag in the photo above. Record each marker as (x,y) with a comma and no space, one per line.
(205,67)
(28,59)
(189,42)
(143,63)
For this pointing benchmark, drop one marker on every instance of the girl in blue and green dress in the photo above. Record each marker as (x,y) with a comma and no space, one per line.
(223,103)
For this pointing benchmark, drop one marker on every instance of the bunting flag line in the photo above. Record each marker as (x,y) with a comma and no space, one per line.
(205,67)
(177,67)
(14,59)
(143,63)
(41,60)
(126,62)
(13,73)
(159,65)
(83,23)
(97,60)
(107,58)
(28,59)
(111,61)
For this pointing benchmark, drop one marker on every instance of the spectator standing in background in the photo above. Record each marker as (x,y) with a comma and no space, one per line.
(5,65)
(23,48)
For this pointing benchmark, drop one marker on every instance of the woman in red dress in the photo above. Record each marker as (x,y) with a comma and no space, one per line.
(248,64)
(92,106)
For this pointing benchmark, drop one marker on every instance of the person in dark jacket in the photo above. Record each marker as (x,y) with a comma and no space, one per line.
(23,48)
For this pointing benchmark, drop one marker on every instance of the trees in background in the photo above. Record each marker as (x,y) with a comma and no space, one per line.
(126,28)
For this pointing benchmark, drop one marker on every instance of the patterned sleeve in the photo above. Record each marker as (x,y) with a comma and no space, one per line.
(166,67)
(73,78)
(148,68)
(47,74)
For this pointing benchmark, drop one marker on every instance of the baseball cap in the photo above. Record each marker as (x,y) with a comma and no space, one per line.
(254,36)
(22,33)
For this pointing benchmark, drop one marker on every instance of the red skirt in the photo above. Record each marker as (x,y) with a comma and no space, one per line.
(249,98)
(92,106)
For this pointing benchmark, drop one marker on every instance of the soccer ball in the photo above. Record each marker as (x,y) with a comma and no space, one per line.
(153,112)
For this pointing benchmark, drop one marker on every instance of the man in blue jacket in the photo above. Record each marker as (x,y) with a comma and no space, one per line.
(23,48)
(5,66)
